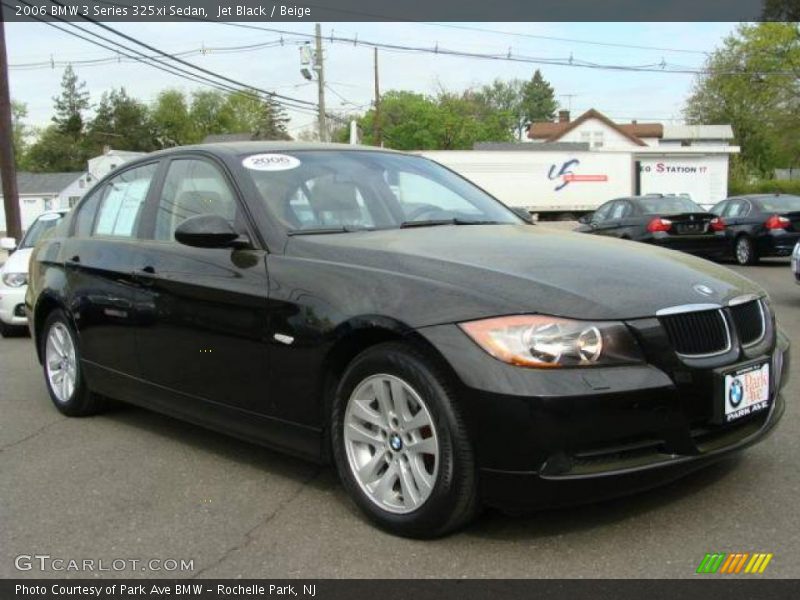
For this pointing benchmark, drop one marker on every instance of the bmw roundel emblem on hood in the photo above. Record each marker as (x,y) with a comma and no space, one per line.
(703,289)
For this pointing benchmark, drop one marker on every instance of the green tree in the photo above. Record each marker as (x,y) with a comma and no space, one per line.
(506,96)
(753,83)
(122,122)
(538,99)
(172,120)
(448,121)
(20,132)
(55,151)
(71,104)
(248,112)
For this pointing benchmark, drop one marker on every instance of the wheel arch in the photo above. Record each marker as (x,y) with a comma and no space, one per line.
(45,304)
(356,336)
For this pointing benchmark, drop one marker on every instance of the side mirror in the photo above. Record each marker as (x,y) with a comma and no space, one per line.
(585,219)
(522,213)
(206,231)
(8,243)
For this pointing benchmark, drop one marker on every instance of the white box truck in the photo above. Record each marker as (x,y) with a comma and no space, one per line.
(553,184)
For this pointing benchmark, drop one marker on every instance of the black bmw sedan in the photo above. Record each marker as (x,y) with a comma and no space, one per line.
(760,225)
(669,221)
(375,310)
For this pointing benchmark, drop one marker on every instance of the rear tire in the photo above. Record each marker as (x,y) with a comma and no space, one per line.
(744,251)
(63,373)
(400,444)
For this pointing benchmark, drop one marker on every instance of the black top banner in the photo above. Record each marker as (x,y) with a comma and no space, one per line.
(403,10)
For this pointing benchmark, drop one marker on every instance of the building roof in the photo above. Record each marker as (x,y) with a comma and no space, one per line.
(44,183)
(552,132)
(523,147)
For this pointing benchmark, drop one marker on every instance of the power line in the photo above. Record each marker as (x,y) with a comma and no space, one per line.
(187,63)
(158,63)
(99,61)
(569,40)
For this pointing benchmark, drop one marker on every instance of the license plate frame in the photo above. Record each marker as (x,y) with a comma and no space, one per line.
(751,395)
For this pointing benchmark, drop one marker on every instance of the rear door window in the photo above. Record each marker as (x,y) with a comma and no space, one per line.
(122,202)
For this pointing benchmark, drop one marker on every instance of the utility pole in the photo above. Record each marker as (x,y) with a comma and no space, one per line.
(378,132)
(8,169)
(318,67)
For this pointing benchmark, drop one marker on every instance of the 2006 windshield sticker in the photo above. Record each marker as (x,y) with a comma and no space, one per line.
(270,162)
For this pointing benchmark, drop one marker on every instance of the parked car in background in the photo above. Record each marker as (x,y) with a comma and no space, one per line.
(14,273)
(671,221)
(760,225)
(796,263)
(375,310)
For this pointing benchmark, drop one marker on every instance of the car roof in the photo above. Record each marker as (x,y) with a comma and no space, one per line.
(233,148)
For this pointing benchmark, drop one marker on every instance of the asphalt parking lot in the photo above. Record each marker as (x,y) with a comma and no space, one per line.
(135,485)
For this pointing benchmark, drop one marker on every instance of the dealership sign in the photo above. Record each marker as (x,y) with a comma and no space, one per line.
(671,169)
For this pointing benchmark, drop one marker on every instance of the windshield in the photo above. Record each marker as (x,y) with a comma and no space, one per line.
(668,205)
(41,226)
(779,204)
(349,190)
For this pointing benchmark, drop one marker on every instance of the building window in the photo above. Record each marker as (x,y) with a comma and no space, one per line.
(73,200)
(597,139)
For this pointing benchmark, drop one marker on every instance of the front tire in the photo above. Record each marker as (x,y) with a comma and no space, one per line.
(63,373)
(745,251)
(400,444)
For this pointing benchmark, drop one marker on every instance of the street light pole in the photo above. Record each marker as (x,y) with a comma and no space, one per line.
(8,169)
(319,68)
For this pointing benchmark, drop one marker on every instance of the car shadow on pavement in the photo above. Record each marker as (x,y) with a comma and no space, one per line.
(492,524)
(211,442)
(552,522)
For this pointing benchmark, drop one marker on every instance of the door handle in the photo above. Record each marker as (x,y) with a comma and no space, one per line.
(145,275)
(75,260)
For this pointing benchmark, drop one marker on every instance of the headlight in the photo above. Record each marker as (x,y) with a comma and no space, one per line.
(542,341)
(15,279)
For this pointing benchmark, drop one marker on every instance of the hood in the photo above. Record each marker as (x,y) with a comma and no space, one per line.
(18,261)
(527,269)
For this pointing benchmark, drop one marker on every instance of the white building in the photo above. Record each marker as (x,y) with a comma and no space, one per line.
(110,159)
(39,192)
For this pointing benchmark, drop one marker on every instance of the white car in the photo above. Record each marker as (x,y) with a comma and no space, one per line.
(796,263)
(14,273)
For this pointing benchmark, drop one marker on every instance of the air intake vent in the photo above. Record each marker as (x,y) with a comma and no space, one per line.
(749,321)
(697,333)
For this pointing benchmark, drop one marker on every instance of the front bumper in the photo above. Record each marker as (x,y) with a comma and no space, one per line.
(12,305)
(558,437)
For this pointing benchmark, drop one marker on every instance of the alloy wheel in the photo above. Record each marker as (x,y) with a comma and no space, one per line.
(743,251)
(391,443)
(61,362)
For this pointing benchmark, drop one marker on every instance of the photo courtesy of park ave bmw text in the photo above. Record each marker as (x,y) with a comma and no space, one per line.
(343,299)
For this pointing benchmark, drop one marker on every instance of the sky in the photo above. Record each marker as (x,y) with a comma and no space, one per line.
(622,95)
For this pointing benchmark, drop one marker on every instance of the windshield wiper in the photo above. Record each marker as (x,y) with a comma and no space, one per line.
(323,230)
(437,222)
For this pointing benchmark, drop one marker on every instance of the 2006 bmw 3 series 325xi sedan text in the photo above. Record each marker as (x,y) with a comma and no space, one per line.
(375,310)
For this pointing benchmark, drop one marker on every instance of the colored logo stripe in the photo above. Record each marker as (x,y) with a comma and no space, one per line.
(733,563)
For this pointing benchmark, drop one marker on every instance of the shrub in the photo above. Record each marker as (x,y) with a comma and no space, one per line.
(764,186)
